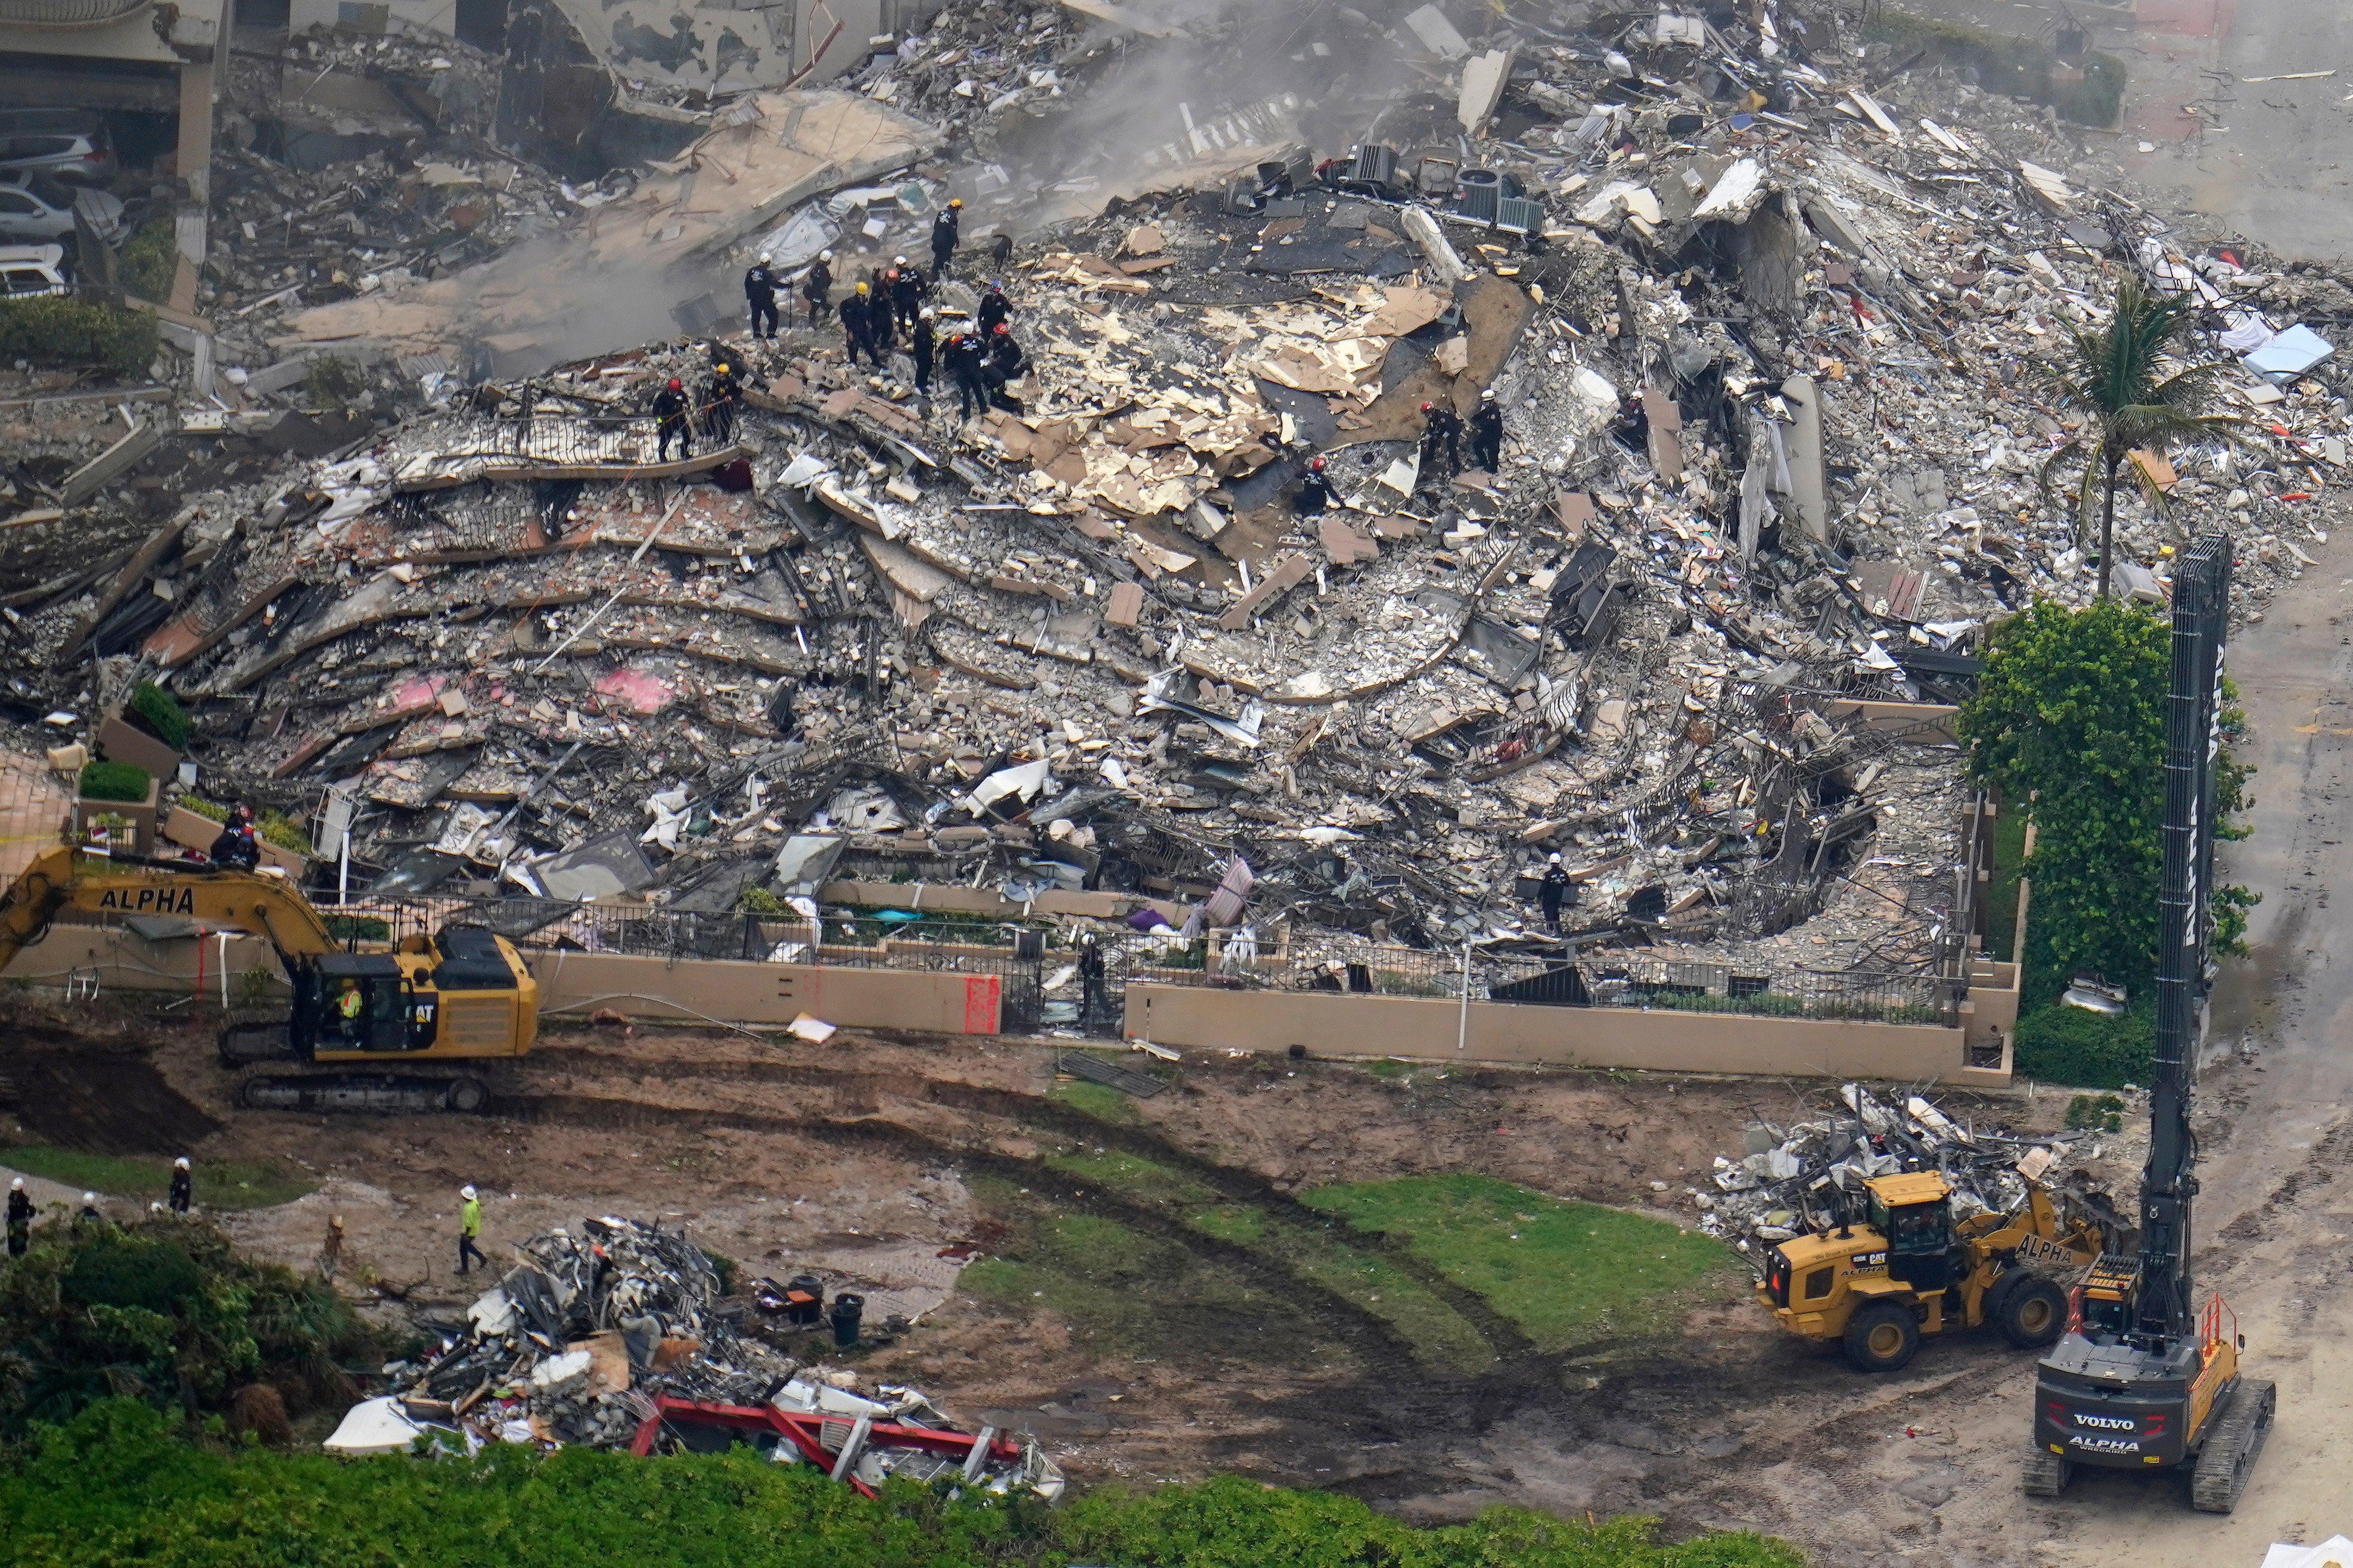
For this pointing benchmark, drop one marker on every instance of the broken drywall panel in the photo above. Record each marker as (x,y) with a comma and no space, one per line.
(1484,76)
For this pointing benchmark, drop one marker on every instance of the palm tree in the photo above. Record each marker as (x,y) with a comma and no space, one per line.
(2114,375)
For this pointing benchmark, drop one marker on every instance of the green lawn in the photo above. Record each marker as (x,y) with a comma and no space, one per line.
(219,1184)
(1564,1272)
(1099,1100)
(1437,1333)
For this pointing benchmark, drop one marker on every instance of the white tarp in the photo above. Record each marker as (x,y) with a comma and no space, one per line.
(2337,1551)
(374,1426)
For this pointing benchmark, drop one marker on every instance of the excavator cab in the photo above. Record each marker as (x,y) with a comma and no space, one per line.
(356,1002)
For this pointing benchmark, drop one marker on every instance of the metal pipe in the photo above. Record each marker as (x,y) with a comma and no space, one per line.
(1462,1021)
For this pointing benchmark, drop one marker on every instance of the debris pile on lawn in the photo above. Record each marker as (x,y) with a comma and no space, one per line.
(618,1337)
(1809,1176)
(573,1342)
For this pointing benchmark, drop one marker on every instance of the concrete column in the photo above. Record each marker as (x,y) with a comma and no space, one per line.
(195,156)
(1809,483)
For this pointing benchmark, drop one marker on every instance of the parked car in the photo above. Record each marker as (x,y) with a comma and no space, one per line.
(32,271)
(68,144)
(34,208)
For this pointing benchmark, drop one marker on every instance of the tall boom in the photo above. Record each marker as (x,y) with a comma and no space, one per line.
(2201,598)
(2143,1377)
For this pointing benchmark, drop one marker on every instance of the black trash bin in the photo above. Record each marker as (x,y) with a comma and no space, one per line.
(848,1310)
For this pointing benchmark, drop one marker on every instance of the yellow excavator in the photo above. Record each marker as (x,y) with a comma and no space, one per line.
(431,1004)
(1908,1269)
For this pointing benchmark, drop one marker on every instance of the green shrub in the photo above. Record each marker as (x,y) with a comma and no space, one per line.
(114,781)
(365,928)
(113,1490)
(165,1310)
(66,331)
(211,811)
(2059,1044)
(2102,1113)
(760,901)
(726,1267)
(151,261)
(159,713)
(131,1271)
(277,828)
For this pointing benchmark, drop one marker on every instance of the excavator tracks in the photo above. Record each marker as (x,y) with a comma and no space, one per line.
(2044,1474)
(385,1093)
(2229,1457)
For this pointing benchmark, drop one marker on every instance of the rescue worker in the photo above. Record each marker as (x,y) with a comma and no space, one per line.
(817,286)
(922,341)
(670,410)
(20,1218)
(962,354)
(1552,892)
(1090,980)
(349,1007)
(907,292)
(470,1229)
(1316,495)
(882,316)
(858,325)
(1002,362)
(996,309)
(760,294)
(1441,431)
(1487,434)
(726,391)
(184,1186)
(236,849)
(945,236)
(1006,360)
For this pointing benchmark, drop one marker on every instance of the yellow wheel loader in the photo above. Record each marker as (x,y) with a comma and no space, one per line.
(1909,1270)
(460,997)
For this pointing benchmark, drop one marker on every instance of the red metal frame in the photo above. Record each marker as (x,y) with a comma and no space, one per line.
(804,1432)
(2210,1331)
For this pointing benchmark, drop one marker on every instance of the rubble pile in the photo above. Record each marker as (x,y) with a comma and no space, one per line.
(1766,313)
(1810,1175)
(575,1341)
(620,1338)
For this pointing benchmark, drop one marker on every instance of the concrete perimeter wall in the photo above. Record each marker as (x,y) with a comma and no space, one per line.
(1658,1041)
(1202,1018)
(683,990)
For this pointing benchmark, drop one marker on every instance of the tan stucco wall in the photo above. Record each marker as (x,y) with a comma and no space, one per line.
(1328,1025)
(578,982)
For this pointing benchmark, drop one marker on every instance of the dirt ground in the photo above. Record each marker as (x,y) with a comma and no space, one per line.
(869,1158)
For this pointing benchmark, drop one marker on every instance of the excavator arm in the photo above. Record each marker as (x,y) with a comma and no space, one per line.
(63,879)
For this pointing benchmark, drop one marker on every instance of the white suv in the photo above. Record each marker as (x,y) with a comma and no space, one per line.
(33,207)
(33,271)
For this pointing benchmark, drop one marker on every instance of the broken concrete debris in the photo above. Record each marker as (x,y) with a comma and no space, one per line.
(1760,326)
(1809,1176)
(620,1338)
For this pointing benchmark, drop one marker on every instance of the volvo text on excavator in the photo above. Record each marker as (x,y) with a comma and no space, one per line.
(372,1031)
(2147,1378)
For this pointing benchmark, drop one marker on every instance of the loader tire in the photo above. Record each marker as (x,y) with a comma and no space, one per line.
(2032,1313)
(1882,1337)
(2045,1474)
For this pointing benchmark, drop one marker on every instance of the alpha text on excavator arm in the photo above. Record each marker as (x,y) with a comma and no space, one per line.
(370,1028)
